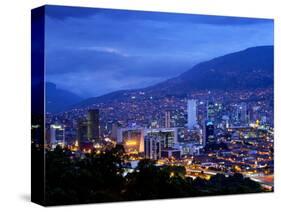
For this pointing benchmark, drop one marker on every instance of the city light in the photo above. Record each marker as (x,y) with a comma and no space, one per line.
(131,143)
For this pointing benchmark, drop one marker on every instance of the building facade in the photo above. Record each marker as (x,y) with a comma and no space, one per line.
(191,113)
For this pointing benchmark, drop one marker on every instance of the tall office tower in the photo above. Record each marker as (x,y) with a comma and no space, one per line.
(167,119)
(114,130)
(156,140)
(82,129)
(57,135)
(211,111)
(208,133)
(93,132)
(152,147)
(242,113)
(251,114)
(191,113)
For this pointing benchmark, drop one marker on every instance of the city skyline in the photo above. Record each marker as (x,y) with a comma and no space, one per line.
(208,130)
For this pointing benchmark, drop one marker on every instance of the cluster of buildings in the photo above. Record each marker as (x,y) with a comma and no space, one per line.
(202,133)
(154,142)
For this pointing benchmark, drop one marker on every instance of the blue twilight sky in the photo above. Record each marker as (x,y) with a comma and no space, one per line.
(95,51)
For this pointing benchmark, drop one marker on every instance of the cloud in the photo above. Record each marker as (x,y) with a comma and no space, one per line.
(93,51)
(109,50)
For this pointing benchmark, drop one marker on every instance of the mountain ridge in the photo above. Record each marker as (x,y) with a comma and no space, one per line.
(251,68)
(218,78)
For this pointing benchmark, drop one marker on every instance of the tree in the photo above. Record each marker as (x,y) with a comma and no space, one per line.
(100,178)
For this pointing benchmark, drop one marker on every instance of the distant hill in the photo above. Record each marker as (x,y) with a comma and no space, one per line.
(58,100)
(248,69)
(244,70)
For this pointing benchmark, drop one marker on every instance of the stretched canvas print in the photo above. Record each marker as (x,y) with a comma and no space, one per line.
(134,105)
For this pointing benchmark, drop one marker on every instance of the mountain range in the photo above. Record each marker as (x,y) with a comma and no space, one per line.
(249,69)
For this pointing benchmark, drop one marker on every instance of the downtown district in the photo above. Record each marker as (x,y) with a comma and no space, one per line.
(206,132)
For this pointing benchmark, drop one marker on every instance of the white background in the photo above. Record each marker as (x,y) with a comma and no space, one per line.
(15,104)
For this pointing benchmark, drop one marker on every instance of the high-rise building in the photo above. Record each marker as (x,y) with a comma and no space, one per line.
(156,140)
(114,130)
(208,133)
(57,135)
(211,111)
(82,129)
(191,113)
(152,146)
(93,131)
(242,114)
(167,119)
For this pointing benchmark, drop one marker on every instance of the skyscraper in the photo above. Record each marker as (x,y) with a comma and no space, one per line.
(208,133)
(57,135)
(211,111)
(242,114)
(156,140)
(82,131)
(93,131)
(191,113)
(114,130)
(152,146)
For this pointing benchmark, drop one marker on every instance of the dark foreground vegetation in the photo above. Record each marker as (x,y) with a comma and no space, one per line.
(100,178)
